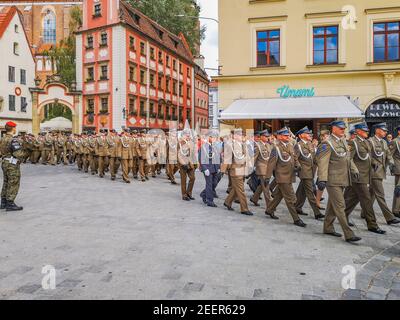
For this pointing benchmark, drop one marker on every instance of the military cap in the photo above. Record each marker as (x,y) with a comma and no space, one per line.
(143,131)
(113,130)
(11,124)
(283,132)
(134,131)
(361,126)
(382,126)
(352,131)
(304,130)
(127,130)
(264,133)
(238,131)
(338,123)
(257,133)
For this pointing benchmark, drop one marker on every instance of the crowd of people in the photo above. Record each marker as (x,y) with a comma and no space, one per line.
(350,170)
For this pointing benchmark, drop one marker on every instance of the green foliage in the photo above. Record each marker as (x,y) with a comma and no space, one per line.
(55,110)
(165,13)
(63,55)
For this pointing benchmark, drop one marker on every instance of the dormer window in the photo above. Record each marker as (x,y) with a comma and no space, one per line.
(97,10)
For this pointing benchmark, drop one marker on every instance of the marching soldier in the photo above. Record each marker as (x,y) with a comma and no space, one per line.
(60,144)
(261,158)
(335,168)
(235,160)
(135,156)
(210,162)
(35,156)
(381,159)
(115,161)
(153,154)
(78,152)
(46,147)
(357,192)
(284,163)
(395,152)
(85,152)
(93,162)
(142,152)
(125,153)
(172,156)
(305,153)
(186,155)
(12,155)
(101,152)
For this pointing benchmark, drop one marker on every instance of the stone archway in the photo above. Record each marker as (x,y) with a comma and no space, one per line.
(56,92)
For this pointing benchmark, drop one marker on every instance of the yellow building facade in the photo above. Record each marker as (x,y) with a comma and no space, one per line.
(281,54)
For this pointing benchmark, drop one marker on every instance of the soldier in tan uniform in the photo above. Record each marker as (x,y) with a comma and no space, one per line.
(172,156)
(85,152)
(135,156)
(59,147)
(142,152)
(101,152)
(360,152)
(381,159)
(235,162)
(152,154)
(187,166)
(35,156)
(125,153)
(394,148)
(284,163)
(261,157)
(335,168)
(115,161)
(93,163)
(78,151)
(305,153)
(46,147)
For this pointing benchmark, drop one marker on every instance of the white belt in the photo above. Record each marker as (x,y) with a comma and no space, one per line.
(11,160)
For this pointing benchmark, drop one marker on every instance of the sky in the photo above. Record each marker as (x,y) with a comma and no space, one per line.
(209,46)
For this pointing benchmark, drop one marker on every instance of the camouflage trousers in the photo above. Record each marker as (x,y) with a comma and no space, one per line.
(11,180)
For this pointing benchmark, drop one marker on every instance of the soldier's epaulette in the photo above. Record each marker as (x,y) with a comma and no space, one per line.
(322,148)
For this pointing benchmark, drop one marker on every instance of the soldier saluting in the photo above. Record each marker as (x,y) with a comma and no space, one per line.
(12,155)
(335,168)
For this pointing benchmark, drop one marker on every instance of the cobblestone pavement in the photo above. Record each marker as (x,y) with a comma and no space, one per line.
(109,240)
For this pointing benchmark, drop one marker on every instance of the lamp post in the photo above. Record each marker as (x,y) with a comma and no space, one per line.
(194,17)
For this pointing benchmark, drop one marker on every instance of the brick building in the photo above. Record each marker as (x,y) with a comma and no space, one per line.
(132,72)
(201,98)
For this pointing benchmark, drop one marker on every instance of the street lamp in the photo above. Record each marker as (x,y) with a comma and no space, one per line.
(194,17)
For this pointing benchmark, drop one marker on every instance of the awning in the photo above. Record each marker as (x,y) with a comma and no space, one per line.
(292,108)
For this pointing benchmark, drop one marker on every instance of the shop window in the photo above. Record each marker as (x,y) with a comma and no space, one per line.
(325,45)
(386,41)
(268,48)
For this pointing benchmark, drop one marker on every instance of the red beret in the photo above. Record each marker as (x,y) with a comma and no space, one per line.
(11,124)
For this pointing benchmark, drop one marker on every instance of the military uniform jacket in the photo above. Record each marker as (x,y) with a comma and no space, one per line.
(235,158)
(380,156)
(141,147)
(172,150)
(261,157)
(210,157)
(112,146)
(134,147)
(11,147)
(282,162)
(101,147)
(334,162)
(47,143)
(60,142)
(85,146)
(305,153)
(394,148)
(360,152)
(186,154)
(125,148)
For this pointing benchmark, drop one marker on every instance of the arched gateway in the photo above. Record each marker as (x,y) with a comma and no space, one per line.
(55,92)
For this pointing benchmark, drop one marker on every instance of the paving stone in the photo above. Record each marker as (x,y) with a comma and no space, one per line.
(375,265)
(394,294)
(192,286)
(352,294)
(374,296)
(29,288)
(107,278)
(384,283)
(378,290)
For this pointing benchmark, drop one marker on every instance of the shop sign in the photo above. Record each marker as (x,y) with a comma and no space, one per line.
(384,109)
(287,92)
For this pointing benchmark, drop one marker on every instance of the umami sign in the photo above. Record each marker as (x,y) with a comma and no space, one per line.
(287,92)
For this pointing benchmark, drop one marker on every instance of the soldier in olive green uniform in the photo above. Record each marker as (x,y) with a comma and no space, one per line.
(305,153)
(102,152)
(395,152)
(115,161)
(186,161)
(46,147)
(85,152)
(381,159)
(172,156)
(335,168)
(125,153)
(93,163)
(135,156)
(284,163)
(360,152)
(142,153)
(12,155)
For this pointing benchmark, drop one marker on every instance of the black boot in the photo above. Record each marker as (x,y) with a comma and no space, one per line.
(11,206)
(3,203)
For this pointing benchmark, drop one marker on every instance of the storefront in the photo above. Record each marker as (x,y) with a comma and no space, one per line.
(384,110)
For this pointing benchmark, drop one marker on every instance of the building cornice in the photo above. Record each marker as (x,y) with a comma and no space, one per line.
(266,19)
(326,14)
(382,10)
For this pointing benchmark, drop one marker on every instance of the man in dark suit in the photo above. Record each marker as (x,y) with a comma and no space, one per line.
(210,164)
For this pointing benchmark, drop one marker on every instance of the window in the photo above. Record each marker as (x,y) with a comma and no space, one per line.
(142,76)
(16,28)
(188,91)
(167,85)
(152,80)
(90,74)
(104,105)
(152,53)
(97,10)
(188,72)
(132,73)
(160,111)
(11,74)
(167,61)
(142,49)
(325,45)
(132,106)
(132,43)
(268,48)
(160,57)
(180,68)
(174,87)
(90,105)
(142,108)
(103,39)
(160,82)
(89,42)
(387,41)
(49,27)
(104,72)
(23,104)
(23,76)
(168,113)
(16,48)
(181,89)
(174,64)
(152,113)
(11,102)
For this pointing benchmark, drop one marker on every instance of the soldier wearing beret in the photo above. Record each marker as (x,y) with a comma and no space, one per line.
(12,155)
(394,148)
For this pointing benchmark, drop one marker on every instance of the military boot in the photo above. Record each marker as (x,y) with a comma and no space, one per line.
(11,206)
(3,203)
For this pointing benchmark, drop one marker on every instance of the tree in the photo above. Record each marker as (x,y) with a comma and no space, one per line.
(165,12)
(63,55)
